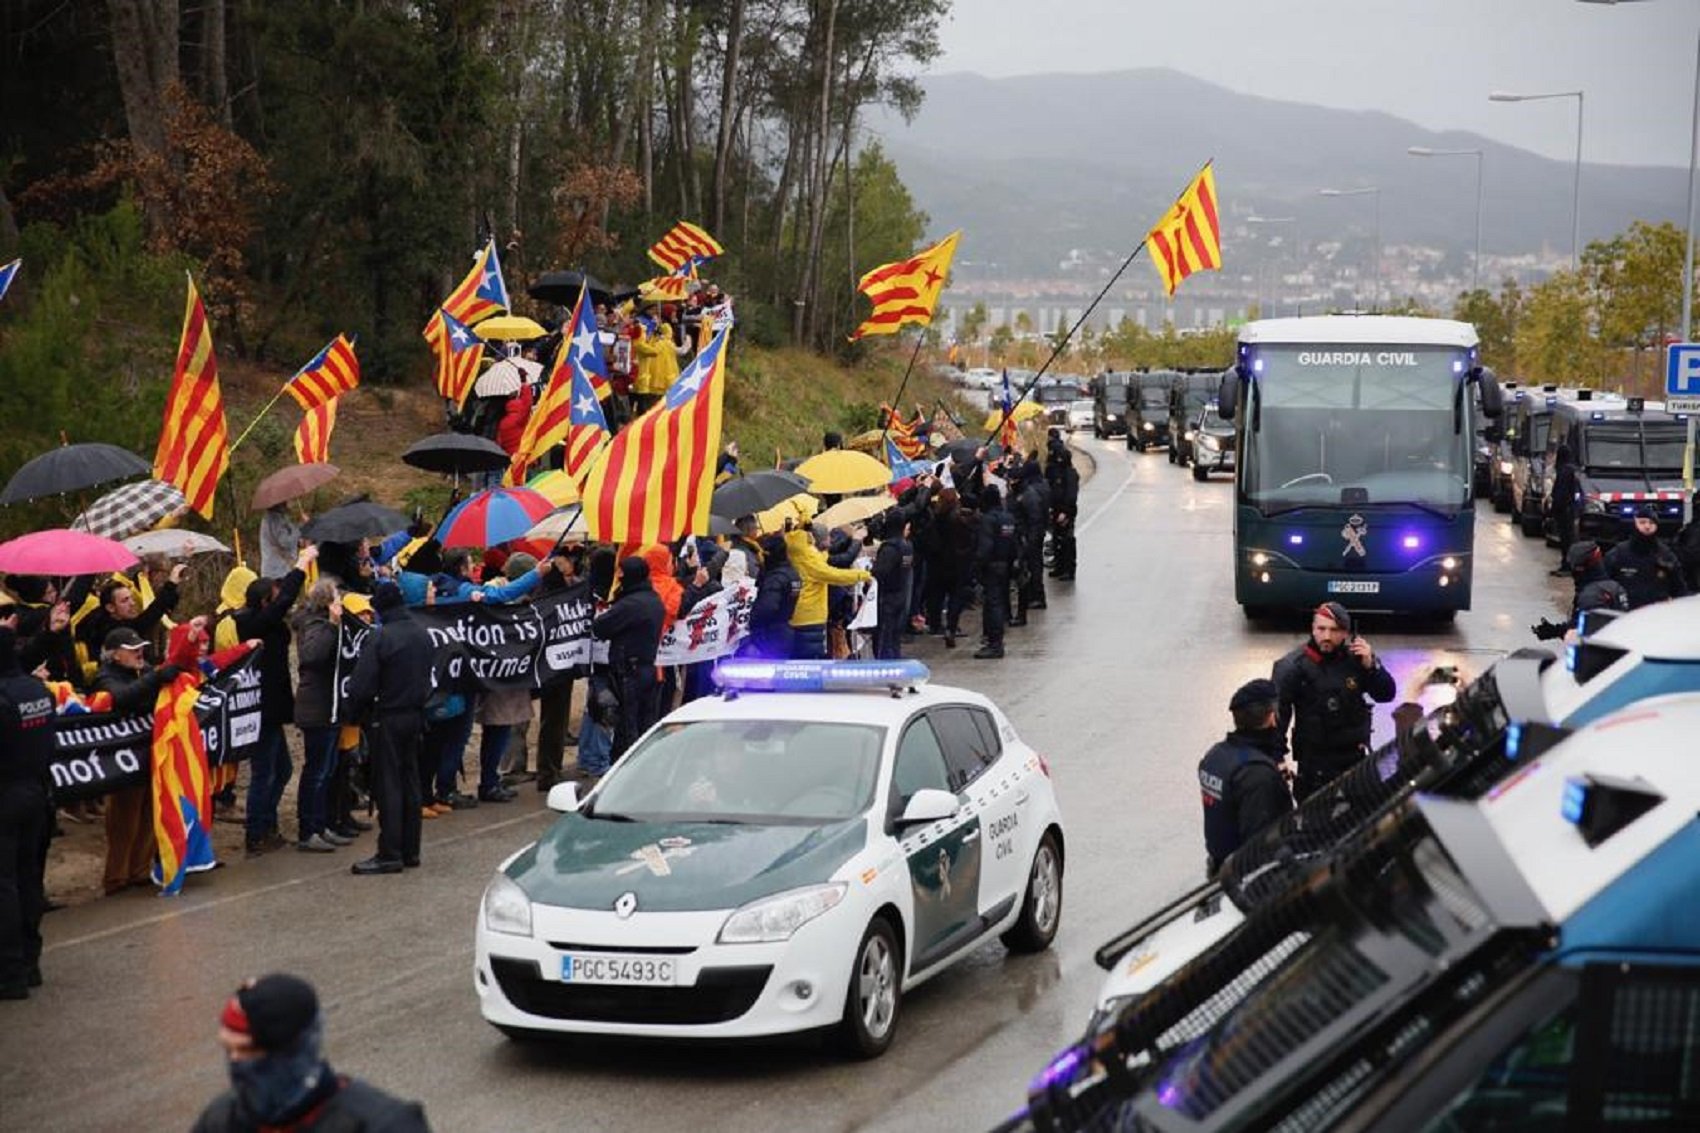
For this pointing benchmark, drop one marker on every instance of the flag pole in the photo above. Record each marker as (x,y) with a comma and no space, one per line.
(267,409)
(1059,347)
(920,340)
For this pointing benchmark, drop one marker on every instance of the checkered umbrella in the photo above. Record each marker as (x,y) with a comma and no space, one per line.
(129,510)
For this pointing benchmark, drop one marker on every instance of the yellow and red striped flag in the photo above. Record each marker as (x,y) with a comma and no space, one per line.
(654,481)
(480,294)
(182,786)
(313,435)
(665,289)
(194,443)
(458,354)
(1189,237)
(902,432)
(333,371)
(908,290)
(684,244)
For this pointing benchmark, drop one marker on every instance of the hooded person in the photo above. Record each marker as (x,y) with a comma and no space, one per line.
(632,626)
(1326,686)
(272,1032)
(808,619)
(777,592)
(1644,565)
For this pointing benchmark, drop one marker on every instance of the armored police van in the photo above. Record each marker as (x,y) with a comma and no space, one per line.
(1627,454)
(1148,409)
(1191,392)
(1529,420)
(1109,403)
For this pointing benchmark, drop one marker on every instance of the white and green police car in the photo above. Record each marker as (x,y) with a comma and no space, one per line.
(792,856)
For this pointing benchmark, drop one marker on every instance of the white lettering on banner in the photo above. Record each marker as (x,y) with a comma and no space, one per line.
(127,760)
(1357,358)
(467,631)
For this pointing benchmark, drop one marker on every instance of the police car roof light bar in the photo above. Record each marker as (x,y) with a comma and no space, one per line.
(819,676)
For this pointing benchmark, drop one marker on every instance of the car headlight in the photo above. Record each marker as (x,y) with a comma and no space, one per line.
(1149,427)
(1112,416)
(774,919)
(1505,468)
(506,907)
(1187,436)
(1210,442)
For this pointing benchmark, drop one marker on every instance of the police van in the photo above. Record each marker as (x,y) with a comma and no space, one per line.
(1109,403)
(1493,452)
(1529,421)
(1148,409)
(1191,392)
(1626,455)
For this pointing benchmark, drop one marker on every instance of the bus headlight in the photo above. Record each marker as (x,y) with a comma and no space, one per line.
(1449,563)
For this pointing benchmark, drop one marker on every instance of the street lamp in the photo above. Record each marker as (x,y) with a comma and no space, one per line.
(1576,192)
(1425,151)
(1372,191)
(1269,220)
(1693,153)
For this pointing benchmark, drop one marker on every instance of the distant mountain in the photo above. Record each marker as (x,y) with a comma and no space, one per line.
(1037,165)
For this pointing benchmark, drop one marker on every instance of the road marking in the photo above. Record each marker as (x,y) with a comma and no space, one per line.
(1105,506)
(219,902)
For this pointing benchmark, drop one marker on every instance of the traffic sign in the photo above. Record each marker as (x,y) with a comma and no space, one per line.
(1682,370)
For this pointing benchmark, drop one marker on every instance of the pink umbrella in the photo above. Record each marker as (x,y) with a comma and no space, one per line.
(58,551)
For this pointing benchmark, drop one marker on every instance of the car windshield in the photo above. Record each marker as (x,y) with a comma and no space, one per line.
(1154,396)
(1115,396)
(760,772)
(1621,449)
(1539,428)
(1325,422)
(1056,395)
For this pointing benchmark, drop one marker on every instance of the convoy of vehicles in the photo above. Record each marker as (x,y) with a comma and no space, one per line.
(1628,452)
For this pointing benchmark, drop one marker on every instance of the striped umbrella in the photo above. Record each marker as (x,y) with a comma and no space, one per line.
(130,510)
(493,516)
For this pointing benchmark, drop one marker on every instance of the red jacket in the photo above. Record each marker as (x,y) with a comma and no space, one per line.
(514,417)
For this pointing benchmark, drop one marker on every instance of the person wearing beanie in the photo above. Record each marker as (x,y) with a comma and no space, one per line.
(273,1032)
(631,625)
(995,549)
(1323,687)
(26,748)
(1240,778)
(387,690)
(1644,565)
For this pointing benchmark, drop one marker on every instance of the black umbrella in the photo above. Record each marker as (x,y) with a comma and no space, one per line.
(456,454)
(720,525)
(353,522)
(562,287)
(71,468)
(756,492)
(961,451)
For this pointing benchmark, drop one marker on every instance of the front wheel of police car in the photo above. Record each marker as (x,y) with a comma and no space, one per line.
(1041,904)
(875,993)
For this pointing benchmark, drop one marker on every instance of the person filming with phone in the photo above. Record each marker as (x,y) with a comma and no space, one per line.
(1325,687)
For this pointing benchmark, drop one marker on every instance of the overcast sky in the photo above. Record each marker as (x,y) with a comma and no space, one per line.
(1432,61)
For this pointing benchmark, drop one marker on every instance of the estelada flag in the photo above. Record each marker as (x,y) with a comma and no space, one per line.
(1189,237)
(194,443)
(908,290)
(182,786)
(684,245)
(655,478)
(479,295)
(313,435)
(333,371)
(458,354)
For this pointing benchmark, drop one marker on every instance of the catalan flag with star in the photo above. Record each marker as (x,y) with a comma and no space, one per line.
(458,353)
(478,296)
(333,371)
(578,372)
(906,291)
(654,481)
(1189,237)
(313,435)
(684,246)
(194,444)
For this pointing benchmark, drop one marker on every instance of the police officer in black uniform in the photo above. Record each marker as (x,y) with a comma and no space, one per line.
(995,549)
(388,690)
(1595,590)
(1322,685)
(1033,517)
(1064,480)
(1566,488)
(894,570)
(1644,565)
(1240,778)
(631,626)
(26,749)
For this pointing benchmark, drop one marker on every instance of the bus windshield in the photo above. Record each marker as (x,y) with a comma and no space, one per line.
(1361,426)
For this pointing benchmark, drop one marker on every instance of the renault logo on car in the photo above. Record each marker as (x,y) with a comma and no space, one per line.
(625,905)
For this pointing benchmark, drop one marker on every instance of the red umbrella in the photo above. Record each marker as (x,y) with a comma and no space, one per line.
(493,516)
(58,551)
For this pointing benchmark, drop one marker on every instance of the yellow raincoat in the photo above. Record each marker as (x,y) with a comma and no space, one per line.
(657,362)
(817,575)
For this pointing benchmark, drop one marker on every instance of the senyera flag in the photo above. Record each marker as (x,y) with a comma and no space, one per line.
(655,478)
(684,245)
(333,371)
(313,435)
(458,354)
(479,295)
(906,291)
(182,786)
(1189,237)
(194,443)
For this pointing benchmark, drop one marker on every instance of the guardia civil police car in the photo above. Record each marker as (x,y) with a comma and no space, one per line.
(792,856)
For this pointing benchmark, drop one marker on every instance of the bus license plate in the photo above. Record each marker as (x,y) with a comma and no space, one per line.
(1353,586)
(612,968)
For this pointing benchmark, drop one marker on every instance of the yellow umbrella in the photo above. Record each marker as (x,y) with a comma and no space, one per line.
(856,509)
(556,487)
(801,508)
(517,327)
(1023,411)
(841,471)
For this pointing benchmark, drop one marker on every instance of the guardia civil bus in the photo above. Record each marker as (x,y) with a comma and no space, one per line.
(1353,483)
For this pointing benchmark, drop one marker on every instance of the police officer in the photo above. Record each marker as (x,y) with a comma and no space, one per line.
(1566,487)
(1033,518)
(1240,778)
(1595,590)
(26,748)
(1322,686)
(994,551)
(1065,509)
(631,626)
(894,570)
(1644,565)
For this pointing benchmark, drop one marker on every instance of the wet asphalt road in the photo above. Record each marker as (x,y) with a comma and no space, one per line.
(1121,684)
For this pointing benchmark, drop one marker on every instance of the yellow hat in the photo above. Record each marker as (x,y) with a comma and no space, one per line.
(357,604)
(233,595)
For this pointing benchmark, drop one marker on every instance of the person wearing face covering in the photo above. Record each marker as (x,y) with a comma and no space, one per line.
(632,626)
(1644,565)
(1326,686)
(273,1036)
(1240,777)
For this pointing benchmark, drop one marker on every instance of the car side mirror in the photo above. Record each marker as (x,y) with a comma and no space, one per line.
(929,804)
(563,797)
